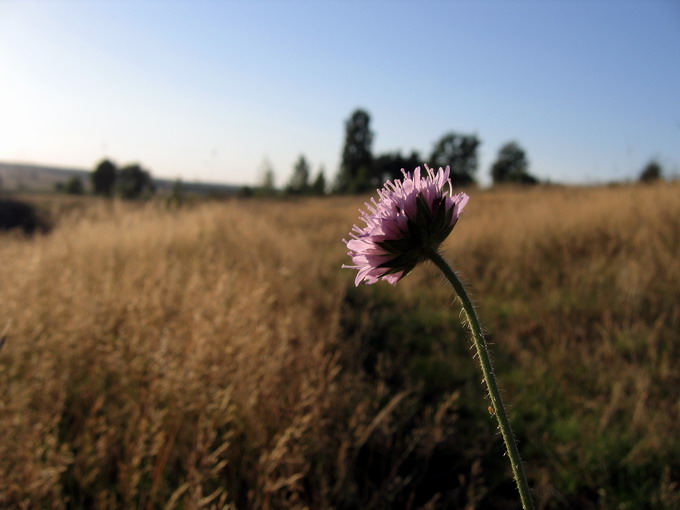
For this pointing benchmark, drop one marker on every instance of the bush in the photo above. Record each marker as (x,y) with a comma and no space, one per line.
(651,172)
(21,215)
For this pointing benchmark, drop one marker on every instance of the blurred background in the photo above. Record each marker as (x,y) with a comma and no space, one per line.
(176,328)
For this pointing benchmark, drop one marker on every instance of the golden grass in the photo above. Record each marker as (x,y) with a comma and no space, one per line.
(197,358)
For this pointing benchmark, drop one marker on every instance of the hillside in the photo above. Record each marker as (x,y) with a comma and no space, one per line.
(40,178)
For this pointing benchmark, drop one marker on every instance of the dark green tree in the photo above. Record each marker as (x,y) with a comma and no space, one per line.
(319,184)
(104,178)
(299,181)
(356,168)
(74,186)
(460,153)
(245,192)
(389,165)
(134,182)
(511,166)
(651,172)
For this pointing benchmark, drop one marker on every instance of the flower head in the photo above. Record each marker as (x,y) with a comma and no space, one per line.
(410,219)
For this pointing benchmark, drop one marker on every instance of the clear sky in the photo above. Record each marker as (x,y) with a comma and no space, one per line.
(208,89)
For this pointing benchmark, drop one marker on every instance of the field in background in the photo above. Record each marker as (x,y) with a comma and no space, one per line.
(216,356)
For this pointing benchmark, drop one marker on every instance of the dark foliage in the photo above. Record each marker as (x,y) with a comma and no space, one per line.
(651,172)
(299,181)
(21,215)
(356,169)
(74,186)
(104,178)
(511,166)
(460,153)
(389,165)
(420,350)
(134,182)
(319,184)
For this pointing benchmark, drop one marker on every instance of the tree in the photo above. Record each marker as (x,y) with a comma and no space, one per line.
(178,194)
(299,181)
(511,166)
(651,172)
(356,167)
(245,192)
(266,179)
(460,153)
(319,184)
(134,182)
(74,186)
(389,165)
(269,181)
(104,178)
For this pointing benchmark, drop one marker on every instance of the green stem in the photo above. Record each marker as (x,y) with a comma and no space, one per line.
(489,378)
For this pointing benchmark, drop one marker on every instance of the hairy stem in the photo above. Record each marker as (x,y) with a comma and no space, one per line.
(489,378)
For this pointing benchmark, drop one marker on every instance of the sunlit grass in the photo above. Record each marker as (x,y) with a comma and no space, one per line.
(217,354)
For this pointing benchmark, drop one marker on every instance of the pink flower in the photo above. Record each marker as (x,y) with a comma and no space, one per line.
(410,219)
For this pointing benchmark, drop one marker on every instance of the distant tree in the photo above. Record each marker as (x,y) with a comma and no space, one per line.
(651,172)
(104,178)
(460,153)
(178,194)
(266,179)
(269,182)
(178,189)
(356,168)
(74,186)
(319,184)
(529,179)
(299,181)
(245,192)
(134,182)
(389,165)
(511,166)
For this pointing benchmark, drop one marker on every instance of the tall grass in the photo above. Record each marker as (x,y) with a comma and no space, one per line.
(216,356)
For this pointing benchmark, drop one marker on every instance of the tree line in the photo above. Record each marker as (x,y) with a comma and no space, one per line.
(130,181)
(361,171)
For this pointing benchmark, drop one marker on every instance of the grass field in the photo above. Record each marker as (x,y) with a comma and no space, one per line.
(216,356)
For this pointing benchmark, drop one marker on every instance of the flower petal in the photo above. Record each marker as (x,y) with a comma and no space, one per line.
(410,216)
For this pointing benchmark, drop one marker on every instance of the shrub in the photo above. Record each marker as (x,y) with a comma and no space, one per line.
(21,215)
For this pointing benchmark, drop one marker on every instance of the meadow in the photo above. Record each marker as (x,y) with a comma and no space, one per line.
(215,355)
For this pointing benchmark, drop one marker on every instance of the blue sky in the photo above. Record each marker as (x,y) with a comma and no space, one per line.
(207,90)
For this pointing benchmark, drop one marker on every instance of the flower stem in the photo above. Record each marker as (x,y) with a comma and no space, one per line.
(489,378)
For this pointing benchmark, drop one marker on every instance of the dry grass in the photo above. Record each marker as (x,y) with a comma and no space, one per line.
(215,357)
